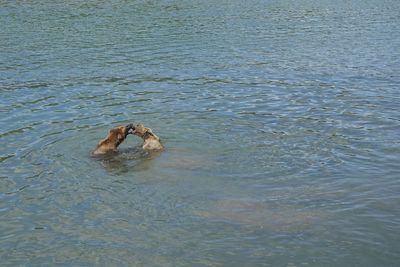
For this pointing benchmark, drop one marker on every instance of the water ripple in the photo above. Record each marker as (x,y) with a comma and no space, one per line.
(280,122)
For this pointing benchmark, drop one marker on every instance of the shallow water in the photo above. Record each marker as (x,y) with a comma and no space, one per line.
(280,121)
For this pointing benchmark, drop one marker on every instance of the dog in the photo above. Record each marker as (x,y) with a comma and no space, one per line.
(151,141)
(114,138)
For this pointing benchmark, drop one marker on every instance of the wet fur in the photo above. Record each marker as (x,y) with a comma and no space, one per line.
(110,144)
(150,140)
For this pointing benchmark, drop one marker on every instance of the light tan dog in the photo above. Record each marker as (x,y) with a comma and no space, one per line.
(114,138)
(151,141)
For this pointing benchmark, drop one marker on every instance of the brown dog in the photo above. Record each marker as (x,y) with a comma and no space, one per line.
(151,141)
(114,138)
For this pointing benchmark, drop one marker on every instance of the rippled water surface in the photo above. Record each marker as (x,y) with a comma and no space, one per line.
(281,122)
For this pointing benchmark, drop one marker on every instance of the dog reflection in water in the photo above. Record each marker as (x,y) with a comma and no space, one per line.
(132,159)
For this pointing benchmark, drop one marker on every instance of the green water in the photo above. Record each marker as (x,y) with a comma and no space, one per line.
(280,121)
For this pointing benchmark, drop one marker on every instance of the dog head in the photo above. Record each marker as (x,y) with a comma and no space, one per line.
(144,132)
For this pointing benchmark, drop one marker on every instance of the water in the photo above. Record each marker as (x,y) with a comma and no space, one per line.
(280,121)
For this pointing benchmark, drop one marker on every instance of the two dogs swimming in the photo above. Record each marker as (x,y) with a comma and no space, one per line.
(117,135)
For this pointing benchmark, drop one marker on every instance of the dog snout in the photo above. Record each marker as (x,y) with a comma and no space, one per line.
(130,128)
